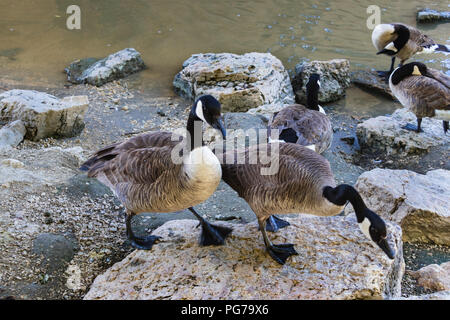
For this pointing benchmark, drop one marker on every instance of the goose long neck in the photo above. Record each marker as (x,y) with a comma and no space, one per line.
(343,193)
(194,129)
(312,99)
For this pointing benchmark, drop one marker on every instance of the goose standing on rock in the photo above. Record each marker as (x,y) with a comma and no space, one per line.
(303,183)
(402,41)
(308,126)
(424,91)
(143,175)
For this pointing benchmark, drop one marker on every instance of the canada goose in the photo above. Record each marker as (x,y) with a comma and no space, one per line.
(402,41)
(143,175)
(307,125)
(424,91)
(303,183)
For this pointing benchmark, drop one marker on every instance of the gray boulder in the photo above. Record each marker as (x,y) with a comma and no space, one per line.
(429,15)
(418,203)
(42,114)
(384,134)
(334,79)
(335,261)
(98,72)
(12,134)
(433,277)
(239,82)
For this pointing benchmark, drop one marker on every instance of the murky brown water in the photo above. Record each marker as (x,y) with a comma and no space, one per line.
(36,46)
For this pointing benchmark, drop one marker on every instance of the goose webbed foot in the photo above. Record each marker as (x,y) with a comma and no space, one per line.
(273,224)
(213,235)
(280,252)
(412,127)
(143,243)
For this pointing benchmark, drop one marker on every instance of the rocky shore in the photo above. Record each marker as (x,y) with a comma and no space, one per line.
(62,235)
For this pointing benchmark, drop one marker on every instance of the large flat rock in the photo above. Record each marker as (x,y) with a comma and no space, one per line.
(385,134)
(370,81)
(335,261)
(44,115)
(419,203)
(239,82)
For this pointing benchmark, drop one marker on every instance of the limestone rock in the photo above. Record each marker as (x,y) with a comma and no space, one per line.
(12,134)
(429,15)
(335,261)
(433,277)
(372,82)
(384,134)
(334,79)
(42,114)
(98,72)
(418,203)
(239,82)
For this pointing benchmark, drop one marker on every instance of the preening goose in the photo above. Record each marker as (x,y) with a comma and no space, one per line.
(303,183)
(307,125)
(402,41)
(142,172)
(424,91)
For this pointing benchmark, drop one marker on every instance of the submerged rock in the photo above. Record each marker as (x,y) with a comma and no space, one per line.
(434,277)
(12,134)
(334,79)
(44,115)
(418,203)
(384,134)
(372,82)
(429,15)
(335,261)
(239,82)
(98,72)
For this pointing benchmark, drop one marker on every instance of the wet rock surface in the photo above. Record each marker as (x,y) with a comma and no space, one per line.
(334,79)
(370,81)
(42,114)
(419,203)
(98,72)
(239,82)
(430,15)
(384,134)
(178,268)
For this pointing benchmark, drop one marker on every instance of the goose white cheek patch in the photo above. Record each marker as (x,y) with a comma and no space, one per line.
(391,46)
(199,111)
(364,226)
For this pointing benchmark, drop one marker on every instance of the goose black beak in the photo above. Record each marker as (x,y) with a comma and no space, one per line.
(383,244)
(218,125)
(386,51)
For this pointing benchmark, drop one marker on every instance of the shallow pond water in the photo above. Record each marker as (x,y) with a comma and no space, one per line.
(36,45)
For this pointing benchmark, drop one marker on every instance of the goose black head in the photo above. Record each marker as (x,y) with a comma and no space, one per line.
(374,228)
(402,36)
(312,91)
(409,69)
(208,109)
